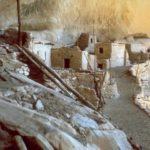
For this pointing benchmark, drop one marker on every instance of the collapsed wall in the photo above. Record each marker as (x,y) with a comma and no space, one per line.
(94,86)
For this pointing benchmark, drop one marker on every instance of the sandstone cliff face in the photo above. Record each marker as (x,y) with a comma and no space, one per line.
(110,18)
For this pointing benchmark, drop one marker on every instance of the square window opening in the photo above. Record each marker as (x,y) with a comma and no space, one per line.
(100,66)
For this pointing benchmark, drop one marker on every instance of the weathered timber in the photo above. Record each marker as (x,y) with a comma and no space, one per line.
(24,79)
(54,75)
(97,87)
(102,101)
(46,73)
(19,23)
(20,143)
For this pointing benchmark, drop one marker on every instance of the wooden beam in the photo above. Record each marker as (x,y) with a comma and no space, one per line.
(46,73)
(54,76)
(19,23)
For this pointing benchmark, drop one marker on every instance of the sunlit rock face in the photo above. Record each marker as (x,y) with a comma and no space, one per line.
(66,20)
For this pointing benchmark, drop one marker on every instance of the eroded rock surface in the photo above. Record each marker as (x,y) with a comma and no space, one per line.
(59,122)
(142,93)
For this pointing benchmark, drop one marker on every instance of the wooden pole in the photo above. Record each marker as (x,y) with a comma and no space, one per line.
(46,73)
(54,75)
(19,23)
(125,57)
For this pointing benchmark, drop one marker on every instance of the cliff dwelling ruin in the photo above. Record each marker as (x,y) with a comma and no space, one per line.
(74,75)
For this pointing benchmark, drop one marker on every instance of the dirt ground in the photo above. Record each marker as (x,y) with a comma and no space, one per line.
(125,114)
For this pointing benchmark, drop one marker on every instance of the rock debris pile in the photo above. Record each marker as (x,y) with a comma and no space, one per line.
(8,60)
(86,83)
(33,116)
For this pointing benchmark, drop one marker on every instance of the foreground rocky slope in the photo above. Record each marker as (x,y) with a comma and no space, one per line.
(36,117)
(85,130)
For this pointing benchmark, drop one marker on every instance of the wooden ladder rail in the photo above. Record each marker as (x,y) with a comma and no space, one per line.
(49,72)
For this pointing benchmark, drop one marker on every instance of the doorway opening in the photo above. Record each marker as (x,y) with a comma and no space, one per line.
(66,63)
(100,66)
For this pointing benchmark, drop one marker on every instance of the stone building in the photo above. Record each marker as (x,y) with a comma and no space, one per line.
(43,49)
(91,44)
(139,51)
(66,57)
(110,55)
(92,62)
(86,42)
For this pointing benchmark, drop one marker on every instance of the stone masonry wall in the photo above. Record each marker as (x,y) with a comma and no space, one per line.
(74,54)
(118,56)
(104,62)
(134,56)
(106,50)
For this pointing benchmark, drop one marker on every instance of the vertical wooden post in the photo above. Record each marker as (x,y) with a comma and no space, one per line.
(110,79)
(19,23)
(125,57)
